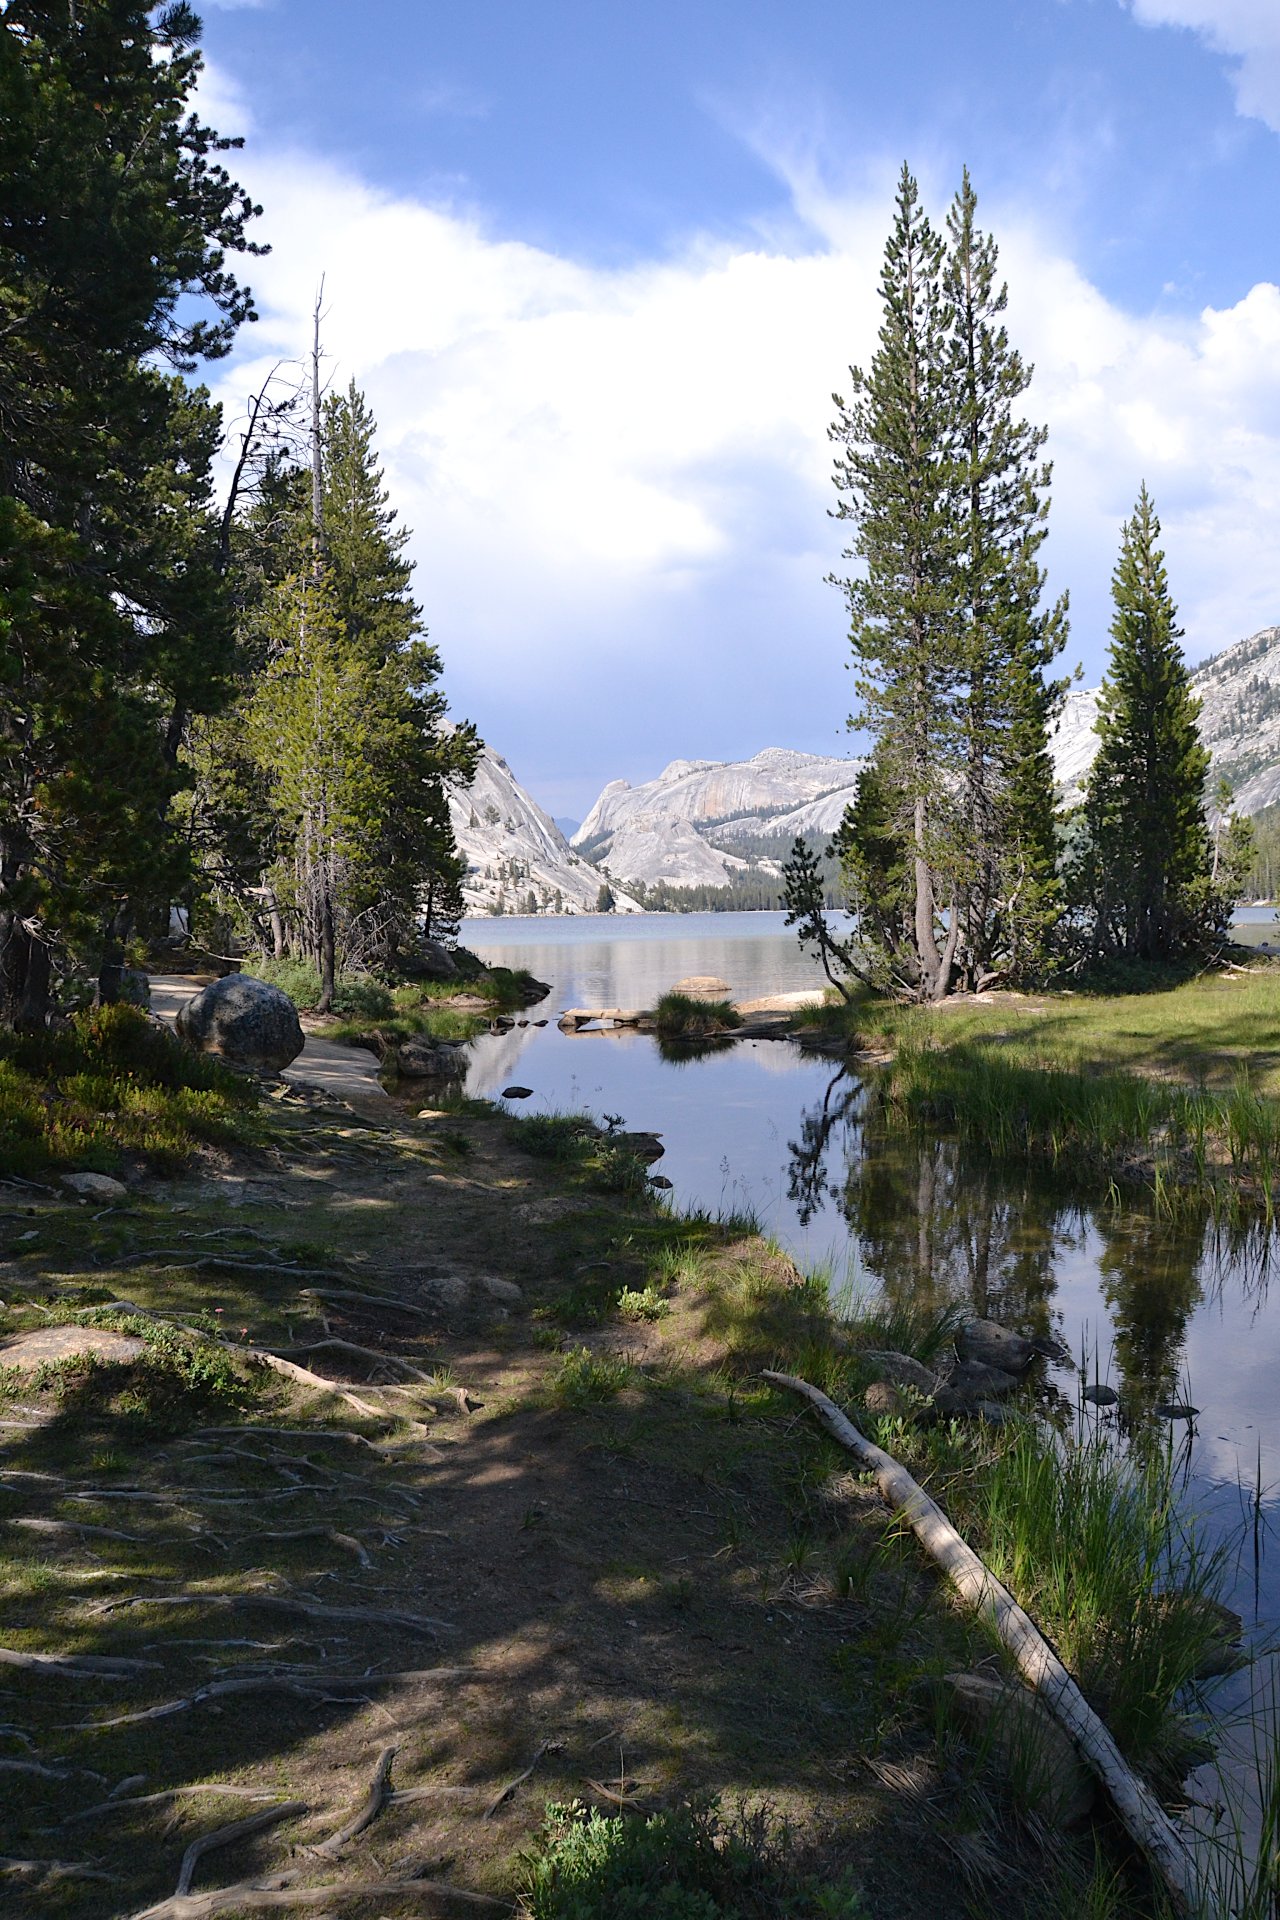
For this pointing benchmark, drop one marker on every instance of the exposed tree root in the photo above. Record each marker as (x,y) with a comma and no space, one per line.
(81,1527)
(305,1609)
(303,1377)
(347,1541)
(287,1433)
(279,1896)
(316,1689)
(332,1344)
(366,1813)
(368,1300)
(519,1780)
(42,1870)
(71,1666)
(115,1802)
(227,1836)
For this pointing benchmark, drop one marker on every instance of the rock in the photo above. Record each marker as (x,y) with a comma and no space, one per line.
(703,986)
(1008,1723)
(248,1022)
(661,1181)
(32,1350)
(497,1289)
(501,1023)
(900,1370)
(1175,1410)
(645,1146)
(987,1344)
(883,1400)
(95,1186)
(432,1113)
(430,1060)
(537,1023)
(434,962)
(1224,1632)
(981,1382)
(517,1093)
(1100,1396)
(993,1413)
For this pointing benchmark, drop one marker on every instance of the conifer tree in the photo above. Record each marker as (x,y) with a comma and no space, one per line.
(115,207)
(1145,874)
(1005,705)
(895,478)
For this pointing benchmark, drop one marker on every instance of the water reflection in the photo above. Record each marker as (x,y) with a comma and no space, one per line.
(936,1225)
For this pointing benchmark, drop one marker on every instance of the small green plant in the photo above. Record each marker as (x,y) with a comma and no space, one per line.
(683,1863)
(644,1303)
(584,1379)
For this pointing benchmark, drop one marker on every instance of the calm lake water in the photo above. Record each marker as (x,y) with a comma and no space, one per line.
(1161,1313)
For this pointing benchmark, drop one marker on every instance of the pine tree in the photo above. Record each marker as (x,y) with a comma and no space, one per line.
(895,477)
(943,479)
(1005,706)
(115,207)
(1146,871)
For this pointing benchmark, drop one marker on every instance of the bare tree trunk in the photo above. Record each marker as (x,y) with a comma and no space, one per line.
(328,946)
(111,970)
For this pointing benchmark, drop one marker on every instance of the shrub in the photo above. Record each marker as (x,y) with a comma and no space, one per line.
(584,1379)
(685,1863)
(677,1017)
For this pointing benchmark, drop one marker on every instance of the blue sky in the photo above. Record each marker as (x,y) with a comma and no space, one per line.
(599,269)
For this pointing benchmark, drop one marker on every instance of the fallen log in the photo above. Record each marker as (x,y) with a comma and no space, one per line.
(1144,1819)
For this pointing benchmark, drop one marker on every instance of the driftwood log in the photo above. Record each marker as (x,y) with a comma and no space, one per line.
(1144,1819)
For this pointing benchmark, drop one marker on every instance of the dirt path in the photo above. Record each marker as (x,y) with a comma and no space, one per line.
(550,1552)
(345,1073)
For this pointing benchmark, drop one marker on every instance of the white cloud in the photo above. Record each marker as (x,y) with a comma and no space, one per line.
(1246,30)
(618,477)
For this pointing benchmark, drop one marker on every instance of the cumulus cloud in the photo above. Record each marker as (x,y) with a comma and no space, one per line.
(1248,30)
(618,478)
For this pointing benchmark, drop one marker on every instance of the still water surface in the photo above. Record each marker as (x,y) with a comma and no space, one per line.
(1161,1312)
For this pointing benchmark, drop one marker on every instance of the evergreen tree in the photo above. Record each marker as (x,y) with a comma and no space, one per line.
(115,208)
(943,479)
(1145,875)
(1005,706)
(895,478)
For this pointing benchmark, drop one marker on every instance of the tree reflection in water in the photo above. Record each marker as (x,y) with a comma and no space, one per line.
(936,1224)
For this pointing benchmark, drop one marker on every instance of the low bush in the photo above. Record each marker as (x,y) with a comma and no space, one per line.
(584,1379)
(684,1863)
(110,1082)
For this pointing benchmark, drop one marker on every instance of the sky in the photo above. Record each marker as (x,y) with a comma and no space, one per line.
(599,270)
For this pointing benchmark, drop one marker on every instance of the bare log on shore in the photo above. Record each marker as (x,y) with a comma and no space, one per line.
(1144,1819)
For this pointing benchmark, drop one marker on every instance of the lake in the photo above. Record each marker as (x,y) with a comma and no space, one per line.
(1161,1312)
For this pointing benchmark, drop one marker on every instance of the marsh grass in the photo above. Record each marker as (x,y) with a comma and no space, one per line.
(679,1017)
(581,1147)
(109,1083)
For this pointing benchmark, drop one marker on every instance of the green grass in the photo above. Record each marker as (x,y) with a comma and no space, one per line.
(580,1146)
(110,1084)
(678,1017)
(1177,1092)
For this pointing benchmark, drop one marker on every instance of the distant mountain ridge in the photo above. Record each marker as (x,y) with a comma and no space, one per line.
(714,824)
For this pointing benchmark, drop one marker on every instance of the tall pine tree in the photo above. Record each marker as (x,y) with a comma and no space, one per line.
(115,209)
(1145,874)
(1004,705)
(895,480)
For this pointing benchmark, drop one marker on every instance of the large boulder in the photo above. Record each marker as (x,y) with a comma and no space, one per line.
(426,1059)
(248,1022)
(987,1344)
(435,962)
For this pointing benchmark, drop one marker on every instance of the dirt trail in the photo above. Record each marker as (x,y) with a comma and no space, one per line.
(345,1073)
(618,1547)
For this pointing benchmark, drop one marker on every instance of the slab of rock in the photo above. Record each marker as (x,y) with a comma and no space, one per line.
(980,1382)
(986,1343)
(900,1370)
(96,1186)
(249,1022)
(31,1350)
(1009,1723)
(702,986)
(645,1146)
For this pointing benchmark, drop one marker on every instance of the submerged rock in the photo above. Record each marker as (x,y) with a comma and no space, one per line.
(1175,1410)
(249,1022)
(1100,1396)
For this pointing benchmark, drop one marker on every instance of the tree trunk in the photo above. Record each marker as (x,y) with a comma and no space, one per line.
(111,971)
(24,976)
(328,947)
(926,943)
